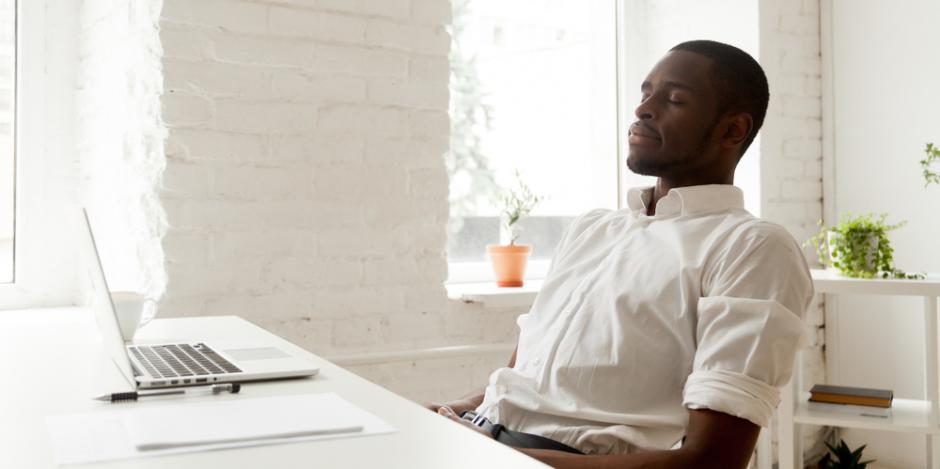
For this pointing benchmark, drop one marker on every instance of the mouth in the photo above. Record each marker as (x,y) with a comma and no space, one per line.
(639,133)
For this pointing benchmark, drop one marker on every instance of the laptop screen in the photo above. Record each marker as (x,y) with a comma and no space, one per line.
(100,301)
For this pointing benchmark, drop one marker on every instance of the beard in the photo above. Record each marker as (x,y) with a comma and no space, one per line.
(658,167)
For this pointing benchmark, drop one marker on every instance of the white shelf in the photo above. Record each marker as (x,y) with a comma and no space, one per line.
(828,281)
(492,296)
(907,415)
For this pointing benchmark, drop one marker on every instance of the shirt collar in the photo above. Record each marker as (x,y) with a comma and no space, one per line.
(687,200)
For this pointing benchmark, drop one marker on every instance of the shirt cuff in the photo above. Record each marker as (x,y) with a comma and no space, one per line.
(731,393)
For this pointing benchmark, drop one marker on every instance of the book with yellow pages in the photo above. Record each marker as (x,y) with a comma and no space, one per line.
(851,395)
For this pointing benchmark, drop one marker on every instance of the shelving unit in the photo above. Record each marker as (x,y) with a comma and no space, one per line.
(907,415)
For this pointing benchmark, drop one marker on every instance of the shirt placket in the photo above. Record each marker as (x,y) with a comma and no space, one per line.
(541,363)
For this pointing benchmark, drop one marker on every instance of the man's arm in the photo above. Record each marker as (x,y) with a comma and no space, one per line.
(714,440)
(470,401)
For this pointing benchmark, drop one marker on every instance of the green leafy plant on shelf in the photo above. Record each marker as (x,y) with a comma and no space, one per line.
(933,156)
(859,247)
(843,457)
(517,202)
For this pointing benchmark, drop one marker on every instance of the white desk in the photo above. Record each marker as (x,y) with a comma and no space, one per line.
(52,363)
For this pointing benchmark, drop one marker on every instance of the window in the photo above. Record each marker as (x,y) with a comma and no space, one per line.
(533,89)
(7,121)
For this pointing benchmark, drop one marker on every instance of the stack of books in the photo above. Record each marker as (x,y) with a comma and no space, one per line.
(851,400)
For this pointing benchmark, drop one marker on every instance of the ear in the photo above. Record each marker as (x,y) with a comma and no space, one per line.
(735,129)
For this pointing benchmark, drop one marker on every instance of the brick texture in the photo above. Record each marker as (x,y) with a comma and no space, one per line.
(305,186)
(791,146)
(120,137)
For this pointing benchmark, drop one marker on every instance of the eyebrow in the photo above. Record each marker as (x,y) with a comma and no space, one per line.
(669,83)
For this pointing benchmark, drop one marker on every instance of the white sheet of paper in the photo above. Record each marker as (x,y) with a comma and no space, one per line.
(239,420)
(207,425)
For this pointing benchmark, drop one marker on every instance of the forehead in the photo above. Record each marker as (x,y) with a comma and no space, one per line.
(683,67)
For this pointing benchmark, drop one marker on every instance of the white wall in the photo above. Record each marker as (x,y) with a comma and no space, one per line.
(120,138)
(791,146)
(305,185)
(885,102)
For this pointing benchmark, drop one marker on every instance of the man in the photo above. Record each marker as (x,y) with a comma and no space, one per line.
(663,331)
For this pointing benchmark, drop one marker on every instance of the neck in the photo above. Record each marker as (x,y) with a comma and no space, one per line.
(664,185)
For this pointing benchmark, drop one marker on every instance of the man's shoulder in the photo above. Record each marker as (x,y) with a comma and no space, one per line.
(745,232)
(582,224)
(586,219)
(759,228)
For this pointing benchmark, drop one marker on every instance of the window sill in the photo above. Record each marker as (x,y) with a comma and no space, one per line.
(491,296)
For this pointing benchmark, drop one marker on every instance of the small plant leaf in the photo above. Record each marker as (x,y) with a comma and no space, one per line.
(843,457)
(517,202)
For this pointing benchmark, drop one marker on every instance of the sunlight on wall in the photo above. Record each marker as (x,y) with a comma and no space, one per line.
(121,138)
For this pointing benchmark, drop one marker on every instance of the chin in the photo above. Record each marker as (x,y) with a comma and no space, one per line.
(644,165)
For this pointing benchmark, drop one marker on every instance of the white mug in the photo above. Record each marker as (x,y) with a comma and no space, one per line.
(130,307)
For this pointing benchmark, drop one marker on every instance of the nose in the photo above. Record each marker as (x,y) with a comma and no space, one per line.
(645,110)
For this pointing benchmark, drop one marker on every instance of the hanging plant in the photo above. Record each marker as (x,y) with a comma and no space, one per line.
(859,247)
(933,156)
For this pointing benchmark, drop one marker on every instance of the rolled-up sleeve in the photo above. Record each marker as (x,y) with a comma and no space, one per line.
(749,327)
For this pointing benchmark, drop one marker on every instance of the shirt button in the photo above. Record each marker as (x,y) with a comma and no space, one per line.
(536,362)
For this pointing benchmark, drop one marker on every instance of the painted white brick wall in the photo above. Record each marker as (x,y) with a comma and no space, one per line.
(791,144)
(120,133)
(305,185)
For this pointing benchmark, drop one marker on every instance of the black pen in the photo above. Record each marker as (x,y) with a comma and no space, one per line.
(199,390)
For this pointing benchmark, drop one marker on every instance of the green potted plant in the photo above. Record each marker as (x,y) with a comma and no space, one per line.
(509,260)
(859,247)
(933,156)
(842,457)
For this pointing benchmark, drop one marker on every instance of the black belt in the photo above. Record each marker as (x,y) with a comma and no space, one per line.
(513,438)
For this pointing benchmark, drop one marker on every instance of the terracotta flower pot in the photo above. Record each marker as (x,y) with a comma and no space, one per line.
(509,263)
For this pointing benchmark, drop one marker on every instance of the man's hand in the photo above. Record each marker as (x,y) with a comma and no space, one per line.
(449,413)
(470,401)
(456,407)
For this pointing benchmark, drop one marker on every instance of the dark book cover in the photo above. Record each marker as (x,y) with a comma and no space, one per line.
(852,391)
(851,395)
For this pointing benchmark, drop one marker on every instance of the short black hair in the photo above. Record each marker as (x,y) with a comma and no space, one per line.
(739,81)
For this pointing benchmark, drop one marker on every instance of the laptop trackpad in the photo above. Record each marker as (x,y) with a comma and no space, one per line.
(260,353)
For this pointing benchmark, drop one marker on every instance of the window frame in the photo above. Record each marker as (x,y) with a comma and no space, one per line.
(15,126)
(27,76)
(481,271)
(45,261)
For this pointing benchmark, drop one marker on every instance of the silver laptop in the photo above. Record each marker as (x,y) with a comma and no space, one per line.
(180,364)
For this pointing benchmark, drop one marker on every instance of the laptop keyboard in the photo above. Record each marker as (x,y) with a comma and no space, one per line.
(181,360)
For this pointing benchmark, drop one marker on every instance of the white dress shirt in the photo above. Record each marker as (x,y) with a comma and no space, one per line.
(642,317)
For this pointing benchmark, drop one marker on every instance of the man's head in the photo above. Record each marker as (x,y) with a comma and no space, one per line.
(701,108)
